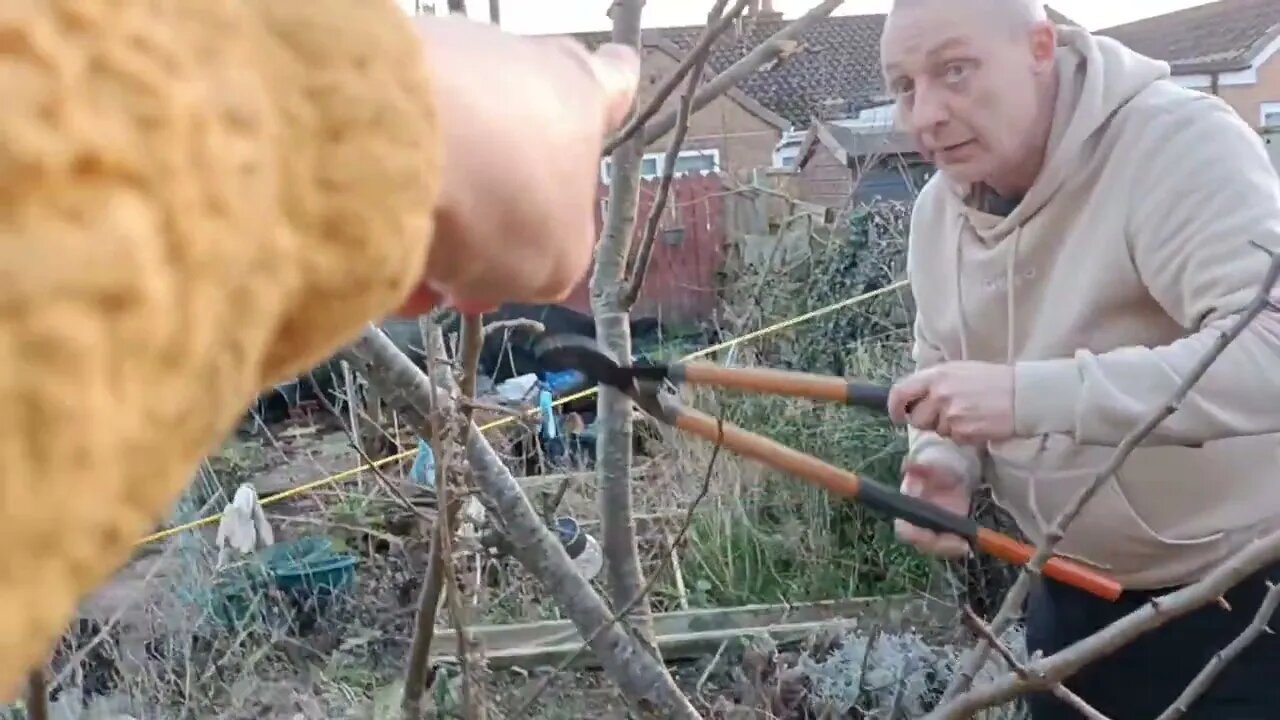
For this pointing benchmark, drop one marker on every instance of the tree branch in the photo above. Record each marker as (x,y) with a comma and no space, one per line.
(1062,664)
(1075,701)
(640,265)
(1205,677)
(739,71)
(418,672)
(715,28)
(472,341)
(640,676)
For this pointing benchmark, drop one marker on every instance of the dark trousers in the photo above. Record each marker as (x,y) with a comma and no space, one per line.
(1143,678)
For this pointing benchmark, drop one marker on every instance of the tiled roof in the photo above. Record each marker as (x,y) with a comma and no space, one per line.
(833,71)
(1218,36)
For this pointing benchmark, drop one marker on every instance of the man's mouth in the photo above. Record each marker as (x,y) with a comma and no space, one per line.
(955,147)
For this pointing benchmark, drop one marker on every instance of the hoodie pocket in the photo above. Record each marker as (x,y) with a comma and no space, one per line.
(1108,532)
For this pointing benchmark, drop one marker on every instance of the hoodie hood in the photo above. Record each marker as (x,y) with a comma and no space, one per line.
(1096,76)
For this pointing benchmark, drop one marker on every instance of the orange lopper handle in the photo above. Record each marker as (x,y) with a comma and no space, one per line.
(918,512)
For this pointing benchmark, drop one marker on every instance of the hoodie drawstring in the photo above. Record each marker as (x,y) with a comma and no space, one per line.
(959,287)
(1011,313)
(1010,272)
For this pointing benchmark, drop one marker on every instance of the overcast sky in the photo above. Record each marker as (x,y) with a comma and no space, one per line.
(558,16)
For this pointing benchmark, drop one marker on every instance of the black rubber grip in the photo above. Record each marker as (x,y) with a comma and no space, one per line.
(920,513)
(871,397)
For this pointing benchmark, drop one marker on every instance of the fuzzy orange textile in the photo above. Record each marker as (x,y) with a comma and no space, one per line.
(197,200)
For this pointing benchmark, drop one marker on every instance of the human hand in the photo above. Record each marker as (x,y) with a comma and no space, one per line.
(943,489)
(968,402)
(523,122)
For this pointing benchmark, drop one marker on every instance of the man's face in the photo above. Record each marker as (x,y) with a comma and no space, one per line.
(964,85)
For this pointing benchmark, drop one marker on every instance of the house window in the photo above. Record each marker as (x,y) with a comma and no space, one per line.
(688,161)
(787,150)
(1271,114)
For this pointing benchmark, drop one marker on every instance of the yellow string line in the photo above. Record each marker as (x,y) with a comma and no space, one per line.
(345,474)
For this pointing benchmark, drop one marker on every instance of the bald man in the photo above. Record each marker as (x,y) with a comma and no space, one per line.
(1092,230)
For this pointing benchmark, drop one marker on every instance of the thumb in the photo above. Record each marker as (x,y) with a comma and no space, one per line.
(906,393)
(617,68)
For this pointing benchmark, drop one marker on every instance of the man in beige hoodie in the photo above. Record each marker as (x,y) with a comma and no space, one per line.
(1092,230)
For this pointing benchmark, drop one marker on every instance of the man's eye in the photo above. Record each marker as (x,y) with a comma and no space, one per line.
(955,71)
(901,87)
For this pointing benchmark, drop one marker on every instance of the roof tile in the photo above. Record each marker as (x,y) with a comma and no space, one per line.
(1222,35)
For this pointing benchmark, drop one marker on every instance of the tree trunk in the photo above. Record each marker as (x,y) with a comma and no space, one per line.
(625,579)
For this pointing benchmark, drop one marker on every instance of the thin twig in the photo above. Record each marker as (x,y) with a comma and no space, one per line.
(439,561)
(472,340)
(1011,607)
(733,75)
(541,688)
(510,324)
(716,26)
(387,483)
(1258,627)
(1075,701)
(644,252)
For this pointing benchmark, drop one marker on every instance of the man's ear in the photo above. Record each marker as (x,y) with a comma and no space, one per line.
(1044,45)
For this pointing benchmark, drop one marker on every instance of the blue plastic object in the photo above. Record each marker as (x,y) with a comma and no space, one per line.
(563,381)
(423,472)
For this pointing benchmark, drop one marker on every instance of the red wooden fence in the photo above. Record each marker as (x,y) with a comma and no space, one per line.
(682,283)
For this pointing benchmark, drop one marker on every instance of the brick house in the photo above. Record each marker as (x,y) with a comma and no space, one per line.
(1230,48)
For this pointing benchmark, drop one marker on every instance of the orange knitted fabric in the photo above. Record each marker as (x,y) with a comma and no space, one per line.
(197,199)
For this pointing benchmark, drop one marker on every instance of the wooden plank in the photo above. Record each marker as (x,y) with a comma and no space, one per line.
(689,633)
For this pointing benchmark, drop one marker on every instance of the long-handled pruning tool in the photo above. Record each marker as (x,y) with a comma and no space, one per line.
(644,385)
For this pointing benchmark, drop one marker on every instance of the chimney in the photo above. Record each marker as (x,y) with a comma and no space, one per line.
(763,10)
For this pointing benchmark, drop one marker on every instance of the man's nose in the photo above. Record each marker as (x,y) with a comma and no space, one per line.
(928,110)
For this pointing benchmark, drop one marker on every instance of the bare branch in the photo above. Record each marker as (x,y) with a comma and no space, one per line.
(472,341)
(1011,607)
(640,676)
(640,266)
(1075,701)
(1062,664)
(739,71)
(418,670)
(716,26)
(1205,677)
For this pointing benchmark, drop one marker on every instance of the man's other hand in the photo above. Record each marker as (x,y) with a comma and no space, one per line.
(944,490)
